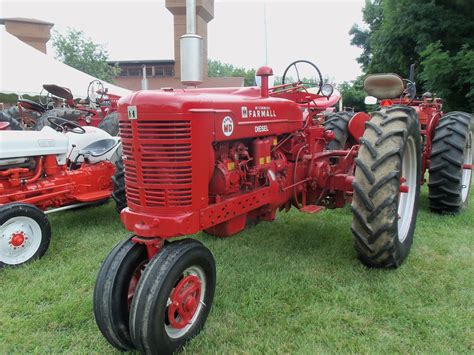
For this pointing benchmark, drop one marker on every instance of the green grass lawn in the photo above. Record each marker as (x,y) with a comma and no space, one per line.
(293,285)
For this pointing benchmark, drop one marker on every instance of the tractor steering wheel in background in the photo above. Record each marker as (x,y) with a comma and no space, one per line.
(410,90)
(64,125)
(318,83)
(44,97)
(94,87)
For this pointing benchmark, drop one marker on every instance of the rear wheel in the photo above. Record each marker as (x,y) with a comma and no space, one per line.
(25,234)
(118,193)
(338,123)
(69,114)
(450,163)
(173,298)
(387,187)
(110,124)
(14,124)
(114,290)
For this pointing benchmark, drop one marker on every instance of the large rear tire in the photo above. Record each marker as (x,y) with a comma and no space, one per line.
(110,124)
(118,193)
(449,182)
(14,125)
(114,290)
(70,114)
(384,217)
(338,123)
(173,298)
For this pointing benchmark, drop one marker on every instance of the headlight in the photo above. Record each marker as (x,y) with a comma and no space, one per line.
(327,90)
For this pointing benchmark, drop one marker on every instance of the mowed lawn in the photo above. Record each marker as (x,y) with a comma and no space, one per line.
(293,285)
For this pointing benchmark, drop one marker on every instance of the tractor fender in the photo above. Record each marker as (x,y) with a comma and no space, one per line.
(356,125)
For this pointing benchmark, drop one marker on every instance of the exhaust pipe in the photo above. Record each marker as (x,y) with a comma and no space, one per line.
(191,49)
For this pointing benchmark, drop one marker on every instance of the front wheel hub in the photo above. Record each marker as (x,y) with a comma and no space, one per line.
(185,300)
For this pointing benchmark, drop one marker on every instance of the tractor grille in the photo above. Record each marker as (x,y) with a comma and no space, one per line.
(158,172)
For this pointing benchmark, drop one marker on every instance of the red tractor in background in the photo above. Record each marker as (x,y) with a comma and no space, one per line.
(48,171)
(214,159)
(446,137)
(98,109)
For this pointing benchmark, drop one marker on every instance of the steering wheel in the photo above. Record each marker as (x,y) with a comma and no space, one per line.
(64,125)
(94,87)
(307,84)
(410,90)
(44,97)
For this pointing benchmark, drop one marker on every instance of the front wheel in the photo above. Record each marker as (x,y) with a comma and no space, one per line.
(25,234)
(173,298)
(387,187)
(114,290)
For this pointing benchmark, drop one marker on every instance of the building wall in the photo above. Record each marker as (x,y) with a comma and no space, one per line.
(33,32)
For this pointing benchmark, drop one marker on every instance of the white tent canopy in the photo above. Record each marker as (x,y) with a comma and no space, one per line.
(24,70)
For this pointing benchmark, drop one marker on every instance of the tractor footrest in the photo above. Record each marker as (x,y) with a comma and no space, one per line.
(311,209)
(93,196)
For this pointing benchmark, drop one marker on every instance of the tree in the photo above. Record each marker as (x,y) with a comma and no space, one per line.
(78,51)
(435,35)
(353,94)
(217,68)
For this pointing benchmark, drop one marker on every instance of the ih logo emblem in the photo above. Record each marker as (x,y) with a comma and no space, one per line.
(132,112)
(227,126)
(245,112)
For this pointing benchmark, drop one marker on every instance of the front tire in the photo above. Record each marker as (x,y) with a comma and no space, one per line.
(25,234)
(384,217)
(173,298)
(449,183)
(114,291)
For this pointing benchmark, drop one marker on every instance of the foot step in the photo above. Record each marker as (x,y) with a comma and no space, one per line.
(311,209)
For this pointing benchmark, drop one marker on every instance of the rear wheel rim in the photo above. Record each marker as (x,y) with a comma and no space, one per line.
(20,239)
(466,173)
(406,203)
(192,303)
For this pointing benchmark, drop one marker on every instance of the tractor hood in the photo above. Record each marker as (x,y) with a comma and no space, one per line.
(14,144)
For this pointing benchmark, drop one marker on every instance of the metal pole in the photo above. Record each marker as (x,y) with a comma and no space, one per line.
(191,17)
(144,80)
(265,31)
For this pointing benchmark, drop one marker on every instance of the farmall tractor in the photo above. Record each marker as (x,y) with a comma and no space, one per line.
(214,159)
(98,109)
(446,141)
(49,171)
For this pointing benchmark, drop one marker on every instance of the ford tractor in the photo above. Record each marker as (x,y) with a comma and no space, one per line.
(60,167)
(446,141)
(214,160)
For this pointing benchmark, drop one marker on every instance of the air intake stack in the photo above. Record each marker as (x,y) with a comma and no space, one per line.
(190,38)
(191,49)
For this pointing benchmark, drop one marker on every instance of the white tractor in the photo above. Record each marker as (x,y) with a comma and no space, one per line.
(60,167)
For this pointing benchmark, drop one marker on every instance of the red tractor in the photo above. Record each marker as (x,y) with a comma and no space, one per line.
(446,138)
(48,171)
(98,109)
(215,159)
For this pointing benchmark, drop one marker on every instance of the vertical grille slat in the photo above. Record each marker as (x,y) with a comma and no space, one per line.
(164,150)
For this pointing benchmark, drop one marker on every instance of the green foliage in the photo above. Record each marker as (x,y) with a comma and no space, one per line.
(353,94)
(444,71)
(219,69)
(78,51)
(434,34)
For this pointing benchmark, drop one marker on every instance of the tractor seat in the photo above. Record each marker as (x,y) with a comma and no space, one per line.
(384,86)
(99,147)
